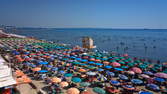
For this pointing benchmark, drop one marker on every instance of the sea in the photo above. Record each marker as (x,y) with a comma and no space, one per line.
(142,43)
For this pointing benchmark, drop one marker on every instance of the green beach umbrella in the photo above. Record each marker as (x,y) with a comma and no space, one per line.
(84,84)
(76,80)
(99,90)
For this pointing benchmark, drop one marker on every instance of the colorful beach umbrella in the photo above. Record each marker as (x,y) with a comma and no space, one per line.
(108,67)
(161,75)
(84,84)
(137,81)
(145,92)
(115,64)
(159,79)
(136,70)
(115,82)
(153,87)
(123,77)
(99,90)
(76,80)
(91,73)
(73,91)
(64,84)
(68,75)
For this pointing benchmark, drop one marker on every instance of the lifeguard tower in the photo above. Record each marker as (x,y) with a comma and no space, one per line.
(87,43)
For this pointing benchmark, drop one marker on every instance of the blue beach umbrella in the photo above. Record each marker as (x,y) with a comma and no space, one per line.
(148,73)
(84,60)
(91,73)
(49,66)
(79,59)
(100,69)
(136,81)
(114,82)
(62,72)
(123,77)
(153,87)
(76,80)
(91,62)
(145,92)
(118,69)
(42,71)
(108,67)
(159,79)
(43,62)
(54,69)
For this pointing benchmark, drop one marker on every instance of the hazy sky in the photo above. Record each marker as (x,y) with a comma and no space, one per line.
(84,13)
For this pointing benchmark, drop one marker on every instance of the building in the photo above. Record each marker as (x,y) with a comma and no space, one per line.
(87,42)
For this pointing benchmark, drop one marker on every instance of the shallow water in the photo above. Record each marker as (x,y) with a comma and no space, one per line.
(148,43)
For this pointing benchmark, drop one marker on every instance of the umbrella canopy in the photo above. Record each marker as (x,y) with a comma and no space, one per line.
(136,70)
(114,82)
(43,62)
(118,69)
(153,87)
(108,67)
(98,64)
(145,76)
(130,72)
(73,91)
(136,81)
(123,77)
(161,75)
(91,73)
(159,79)
(54,69)
(115,64)
(148,73)
(36,69)
(99,69)
(76,80)
(128,87)
(56,80)
(62,72)
(99,90)
(84,84)
(145,92)
(86,92)
(64,84)
(91,62)
(82,70)
(42,71)
(68,75)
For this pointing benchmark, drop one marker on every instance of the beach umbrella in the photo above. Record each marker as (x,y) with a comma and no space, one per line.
(98,64)
(148,73)
(136,70)
(145,76)
(84,60)
(118,69)
(136,81)
(145,92)
(49,66)
(114,82)
(42,71)
(130,72)
(115,64)
(153,87)
(91,62)
(91,73)
(56,80)
(76,80)
(121,62)
(123,77)
(79,59)
(68,75)
(82,70)
(110,73)
(128,87)
(108,67)
(64,84)
(159,79)
(99,90)
(62,72)
(86,92)
(43,63)
(161,75)
(106,62)
(84,84)
(73,91)
(100,69)
(36,69)
(54,69)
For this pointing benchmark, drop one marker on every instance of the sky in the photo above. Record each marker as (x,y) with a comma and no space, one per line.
(84,13)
